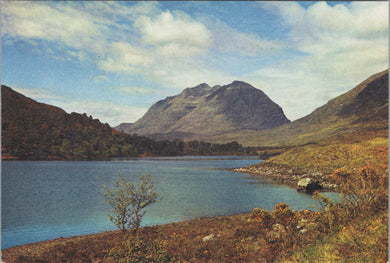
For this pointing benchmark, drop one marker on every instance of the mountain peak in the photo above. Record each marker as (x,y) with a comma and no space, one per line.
(240,83)
(202,86)
(199,90)
(205,110)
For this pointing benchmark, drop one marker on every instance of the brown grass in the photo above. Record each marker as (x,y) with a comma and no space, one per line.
(327,158)
(239,238)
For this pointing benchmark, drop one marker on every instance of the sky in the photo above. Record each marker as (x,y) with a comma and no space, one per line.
(114,59)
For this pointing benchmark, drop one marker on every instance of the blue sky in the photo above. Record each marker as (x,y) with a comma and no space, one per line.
(113,60)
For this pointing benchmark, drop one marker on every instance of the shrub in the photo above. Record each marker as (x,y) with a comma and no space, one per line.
(263,217)
(141,249)
(364,193)
(363,190)
(128,200)
(284,215)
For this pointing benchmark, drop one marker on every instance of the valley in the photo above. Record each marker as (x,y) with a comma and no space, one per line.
(343,145)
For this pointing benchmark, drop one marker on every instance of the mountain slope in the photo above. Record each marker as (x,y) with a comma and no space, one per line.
(204,110)
(361,112)
(37,131)
(367,100)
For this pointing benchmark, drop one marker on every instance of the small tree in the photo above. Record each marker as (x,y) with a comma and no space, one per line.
(128,200)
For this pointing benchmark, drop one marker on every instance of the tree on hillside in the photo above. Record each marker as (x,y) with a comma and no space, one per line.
(128,200)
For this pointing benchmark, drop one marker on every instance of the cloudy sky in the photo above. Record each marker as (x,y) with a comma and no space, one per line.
(113,60)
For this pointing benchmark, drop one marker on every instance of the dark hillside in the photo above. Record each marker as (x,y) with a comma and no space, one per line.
(371,103)
(37,131)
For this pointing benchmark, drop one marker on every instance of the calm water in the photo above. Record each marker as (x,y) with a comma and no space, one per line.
(45,200)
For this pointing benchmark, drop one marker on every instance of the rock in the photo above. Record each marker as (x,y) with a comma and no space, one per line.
(308,185)
(329,186)
(317,174)
(208,238)
(303,183)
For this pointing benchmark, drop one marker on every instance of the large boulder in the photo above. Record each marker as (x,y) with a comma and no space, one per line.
(308,185)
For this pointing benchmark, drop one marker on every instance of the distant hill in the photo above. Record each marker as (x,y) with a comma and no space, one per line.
(204,111)
(124,126)
(37,131)
(367,102)
(360,112)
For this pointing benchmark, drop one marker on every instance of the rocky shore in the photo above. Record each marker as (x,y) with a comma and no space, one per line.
(305,181)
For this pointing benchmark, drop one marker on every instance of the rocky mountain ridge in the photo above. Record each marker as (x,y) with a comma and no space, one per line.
(361,111)
(204,110)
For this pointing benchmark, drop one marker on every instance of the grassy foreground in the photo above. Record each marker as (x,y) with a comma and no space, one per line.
(259,236)
(355,230)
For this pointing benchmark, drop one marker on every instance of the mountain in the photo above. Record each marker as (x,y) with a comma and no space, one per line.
(360,112)
(37,131)
(124,126)
(204,111)
(236,113)
(34,130)
(367,102)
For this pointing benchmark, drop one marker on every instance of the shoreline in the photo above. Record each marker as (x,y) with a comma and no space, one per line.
(16,158)
(287,175)
(111,237)
(271,171)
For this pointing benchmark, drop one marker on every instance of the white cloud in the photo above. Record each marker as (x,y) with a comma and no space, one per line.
(229,40)
(359,19)
(166,47)
(314,29)
(125,58)
(167,28)
(58,23)
(342,45)
(137,91)
(177,50)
